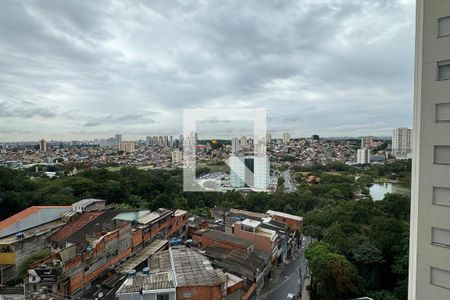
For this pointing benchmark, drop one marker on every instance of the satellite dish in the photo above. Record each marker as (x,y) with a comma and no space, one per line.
(100,295)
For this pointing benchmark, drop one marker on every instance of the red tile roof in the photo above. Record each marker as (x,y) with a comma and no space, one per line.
(64,232)
(23,214)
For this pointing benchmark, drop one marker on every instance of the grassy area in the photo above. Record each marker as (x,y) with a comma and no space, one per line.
(114,169)
(214,168)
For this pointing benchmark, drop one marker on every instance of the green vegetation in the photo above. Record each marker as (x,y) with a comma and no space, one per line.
(360,248)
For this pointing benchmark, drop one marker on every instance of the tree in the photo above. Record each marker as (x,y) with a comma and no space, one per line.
(332,275)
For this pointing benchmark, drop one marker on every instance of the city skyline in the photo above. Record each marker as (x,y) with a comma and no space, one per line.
(67,75)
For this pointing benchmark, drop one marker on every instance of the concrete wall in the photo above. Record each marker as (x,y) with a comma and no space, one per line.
(424,255)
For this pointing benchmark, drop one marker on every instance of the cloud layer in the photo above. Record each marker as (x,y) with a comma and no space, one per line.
(83,69)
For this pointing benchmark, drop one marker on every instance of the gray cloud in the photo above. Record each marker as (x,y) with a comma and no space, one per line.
(91,68)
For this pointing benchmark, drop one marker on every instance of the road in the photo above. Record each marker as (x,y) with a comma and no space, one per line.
(289,183)
(289,282)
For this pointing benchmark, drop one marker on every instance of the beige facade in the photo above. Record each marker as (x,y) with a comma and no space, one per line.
(429,276)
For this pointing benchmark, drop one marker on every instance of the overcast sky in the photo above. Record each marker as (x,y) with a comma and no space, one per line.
(83,69)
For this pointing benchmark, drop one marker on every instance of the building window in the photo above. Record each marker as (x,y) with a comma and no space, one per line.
(444,26)
(443,68)
(442,155)
(443,112)
(440,277)
(440,237)
(441,196)
(187,294)
(162,297)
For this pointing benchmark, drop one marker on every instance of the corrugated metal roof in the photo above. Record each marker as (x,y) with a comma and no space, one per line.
(155,281)
(31,217)
(74,226)
(142,255)
(223,236)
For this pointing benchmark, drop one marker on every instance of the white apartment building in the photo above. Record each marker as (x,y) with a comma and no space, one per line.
(402,143)
(127,147)
(250,171)
(177,157)
(286,138)
(363,156)
(429,265)
(235,145)
(243,141)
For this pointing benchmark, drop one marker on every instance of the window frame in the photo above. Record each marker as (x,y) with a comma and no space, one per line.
(441,64)
(439,35)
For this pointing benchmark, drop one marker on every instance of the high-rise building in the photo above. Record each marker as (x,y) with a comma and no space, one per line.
(177,157)
(367,142)
(401,142)
(243,142)
(118,138)
(250,171)
(43,145)
(268,139)
(170,141)
(235,145)
(363,156)
(128,147)
(286,138)
(429,264)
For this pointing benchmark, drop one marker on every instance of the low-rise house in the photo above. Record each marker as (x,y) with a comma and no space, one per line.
(265,240)
(88,205)
(294,222)
(252,267)
(216,238)
(24,233)
(179,273)
(97,243)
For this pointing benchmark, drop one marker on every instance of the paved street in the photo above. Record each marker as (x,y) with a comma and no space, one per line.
(289,183)
(289,281)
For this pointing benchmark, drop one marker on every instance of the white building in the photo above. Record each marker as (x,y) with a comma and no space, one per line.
(286,138)
(177,157)
(402,142)
(128,147)
(250,171)
(243,141)
(363,156)
(235,145)
(429,265)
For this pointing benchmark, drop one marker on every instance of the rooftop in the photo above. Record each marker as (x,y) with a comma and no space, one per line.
(86,202)
(180,212)
(74,226)
(284,215)
(235,260)
(190,267)
(223,236)
(22,220)
(154,281)
(142,255)
(153,216)
(250,223)
(38,230)
(250,214)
